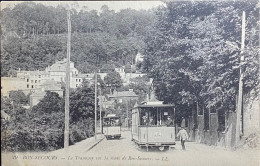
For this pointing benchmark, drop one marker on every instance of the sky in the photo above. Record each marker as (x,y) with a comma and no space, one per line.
(95,5)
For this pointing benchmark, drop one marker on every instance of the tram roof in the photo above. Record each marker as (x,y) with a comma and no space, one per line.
(111,116)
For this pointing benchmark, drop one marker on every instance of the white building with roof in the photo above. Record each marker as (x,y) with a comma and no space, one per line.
(139,57)
(29,81)
(56,72)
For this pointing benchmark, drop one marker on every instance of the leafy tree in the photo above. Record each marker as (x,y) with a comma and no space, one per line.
(82,112)
(107,68)
(128,68)
(193,56)
(113,80)
(34,36)
(18,97)
(140,86)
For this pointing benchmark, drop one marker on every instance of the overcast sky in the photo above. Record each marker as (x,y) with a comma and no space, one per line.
(96,5)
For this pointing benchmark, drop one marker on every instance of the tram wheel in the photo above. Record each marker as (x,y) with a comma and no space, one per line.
(161,148)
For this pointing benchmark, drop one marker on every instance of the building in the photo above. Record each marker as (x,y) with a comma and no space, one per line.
(56,72)
(11,84)
(32,79)
(48,85)
(106,103)
(139,57)
(122,97)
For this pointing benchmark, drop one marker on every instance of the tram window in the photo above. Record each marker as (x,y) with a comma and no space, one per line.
(112,122)
(156,117)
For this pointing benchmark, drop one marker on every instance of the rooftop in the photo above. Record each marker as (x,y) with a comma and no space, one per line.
(122,94)
(36,72)
(39,93)
(50,85)
(58,66)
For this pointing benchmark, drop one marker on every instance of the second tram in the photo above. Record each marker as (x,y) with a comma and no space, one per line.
(112,126)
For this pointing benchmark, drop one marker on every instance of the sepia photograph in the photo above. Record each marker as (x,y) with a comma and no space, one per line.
(130,83)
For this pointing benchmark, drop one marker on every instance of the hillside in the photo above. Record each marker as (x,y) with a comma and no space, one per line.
(34,36)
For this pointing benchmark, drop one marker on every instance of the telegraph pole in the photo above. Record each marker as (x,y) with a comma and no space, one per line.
(127,121)
(259,63)
(100,111)
(95,104)
(240,88)
(67,105)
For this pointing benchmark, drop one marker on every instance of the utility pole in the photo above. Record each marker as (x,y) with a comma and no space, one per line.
(100,111)
(240,88)
(67,93)
(259,62)
(95,104)
(127,123)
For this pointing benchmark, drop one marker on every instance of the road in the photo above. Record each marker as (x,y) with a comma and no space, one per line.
(124,151)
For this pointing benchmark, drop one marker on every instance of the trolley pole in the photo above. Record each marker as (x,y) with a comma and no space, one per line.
(95,105)
(66,130)
(240,88)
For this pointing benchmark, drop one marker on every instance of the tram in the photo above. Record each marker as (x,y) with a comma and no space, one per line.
(153,125)
(112,126)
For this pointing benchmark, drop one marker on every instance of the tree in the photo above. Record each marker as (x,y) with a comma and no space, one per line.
(50,103)
(33,42)
(113,80)
(140,86)
(82,112)
(18,97)
(194,56)
(128,68)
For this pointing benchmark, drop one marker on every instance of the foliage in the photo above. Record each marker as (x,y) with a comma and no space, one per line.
(128,68)
(43,127)
(82,103)
(193,53)
(18,97)
(140,86)
(34,36)
(113,80)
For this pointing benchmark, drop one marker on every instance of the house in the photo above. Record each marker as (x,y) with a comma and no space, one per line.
(106,103)
(56,72)
(122,97)
(9,84)
(38,94)
(32,79)
(139,57)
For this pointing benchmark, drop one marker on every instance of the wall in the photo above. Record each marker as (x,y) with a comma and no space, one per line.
(251,118)
(11,84)
(213,136)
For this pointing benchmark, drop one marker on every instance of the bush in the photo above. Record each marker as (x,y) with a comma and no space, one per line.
(81,130)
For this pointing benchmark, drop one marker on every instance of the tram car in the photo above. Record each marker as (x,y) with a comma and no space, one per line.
(112,126)
(153,125)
